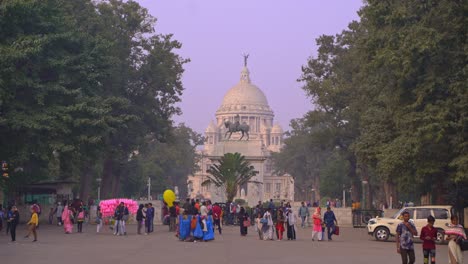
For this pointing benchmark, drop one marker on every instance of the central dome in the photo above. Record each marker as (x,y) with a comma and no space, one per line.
(244,96)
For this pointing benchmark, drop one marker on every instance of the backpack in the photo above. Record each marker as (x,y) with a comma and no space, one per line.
(81,215)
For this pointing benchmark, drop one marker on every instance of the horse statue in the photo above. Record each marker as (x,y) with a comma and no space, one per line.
(236,127)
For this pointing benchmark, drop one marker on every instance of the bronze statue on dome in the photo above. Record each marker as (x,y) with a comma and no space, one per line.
(246,56)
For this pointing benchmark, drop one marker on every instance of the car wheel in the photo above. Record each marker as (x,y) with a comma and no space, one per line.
(381,233)
(366,218)
(440,236)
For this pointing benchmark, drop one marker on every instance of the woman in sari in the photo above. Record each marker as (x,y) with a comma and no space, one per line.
(66,219)
(268,227)
(455,233)
(317,217)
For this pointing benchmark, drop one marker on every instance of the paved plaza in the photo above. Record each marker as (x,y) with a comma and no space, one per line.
(352,246)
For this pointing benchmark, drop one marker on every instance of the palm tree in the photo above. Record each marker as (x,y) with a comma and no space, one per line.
(231,172)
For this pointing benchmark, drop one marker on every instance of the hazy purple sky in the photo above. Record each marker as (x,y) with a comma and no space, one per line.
(278,35)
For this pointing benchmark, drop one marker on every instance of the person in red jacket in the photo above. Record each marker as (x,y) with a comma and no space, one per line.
(217,216)
(428,236)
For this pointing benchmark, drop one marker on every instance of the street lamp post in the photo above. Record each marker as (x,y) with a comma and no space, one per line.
(364,194)
(344,196)
(149,188)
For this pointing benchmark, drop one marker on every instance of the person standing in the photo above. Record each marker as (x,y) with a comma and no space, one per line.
(9,215)
(317,229)
(140,218)
(268,228)
(33,223)
(67,216)
(303,213)
(428,236)
(98,219)
(51,215)
(280,219)
(58,213)
(13,221)
(330,220)
(80,219)
(405,246)
(150,217)
(259,225)
(118,215)
(217,217)
(2,215)
(291,224)
(244,221)
(173,217)
(455,255)
(125,216)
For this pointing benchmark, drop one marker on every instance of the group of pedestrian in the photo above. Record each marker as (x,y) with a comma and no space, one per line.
(267,225)
(406,231)
(328,222)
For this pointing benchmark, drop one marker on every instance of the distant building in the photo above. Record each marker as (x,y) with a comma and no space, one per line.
(247,104)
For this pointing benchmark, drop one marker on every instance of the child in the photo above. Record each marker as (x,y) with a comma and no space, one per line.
(98,219)
(428,236)
(259,226)
(80,219)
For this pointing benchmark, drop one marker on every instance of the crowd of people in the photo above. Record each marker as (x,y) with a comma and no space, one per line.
(197,221)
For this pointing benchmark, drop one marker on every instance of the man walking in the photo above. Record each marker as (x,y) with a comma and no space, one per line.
(405,246)
(330,220)
(58,213)
(303,213)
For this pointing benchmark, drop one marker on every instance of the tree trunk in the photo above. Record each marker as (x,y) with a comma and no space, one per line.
(85,182)
(116,181)
(107,178)
(355,183)
(66,166)
(391,198)
(367,203)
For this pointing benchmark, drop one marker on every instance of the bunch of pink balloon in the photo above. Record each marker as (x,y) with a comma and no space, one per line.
(108,206)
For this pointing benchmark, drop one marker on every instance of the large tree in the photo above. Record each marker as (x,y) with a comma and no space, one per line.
(82,85)
(231,171)
(396,83)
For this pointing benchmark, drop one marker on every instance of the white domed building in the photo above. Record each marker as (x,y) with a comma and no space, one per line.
(247,104)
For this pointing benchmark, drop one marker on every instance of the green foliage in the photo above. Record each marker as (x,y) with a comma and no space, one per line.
(393,87)
(89,81)
(166,163)
(231,172)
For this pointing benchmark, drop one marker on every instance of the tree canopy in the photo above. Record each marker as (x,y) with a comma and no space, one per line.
(390,94)
(83,85)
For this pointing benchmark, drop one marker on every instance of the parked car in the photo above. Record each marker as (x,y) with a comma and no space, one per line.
(384,227)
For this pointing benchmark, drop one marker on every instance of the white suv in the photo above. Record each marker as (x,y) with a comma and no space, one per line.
(384,227)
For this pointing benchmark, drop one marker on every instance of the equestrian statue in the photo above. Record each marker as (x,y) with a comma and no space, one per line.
(236,127)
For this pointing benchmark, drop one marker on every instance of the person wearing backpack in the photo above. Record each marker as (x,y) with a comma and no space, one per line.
(80,219)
